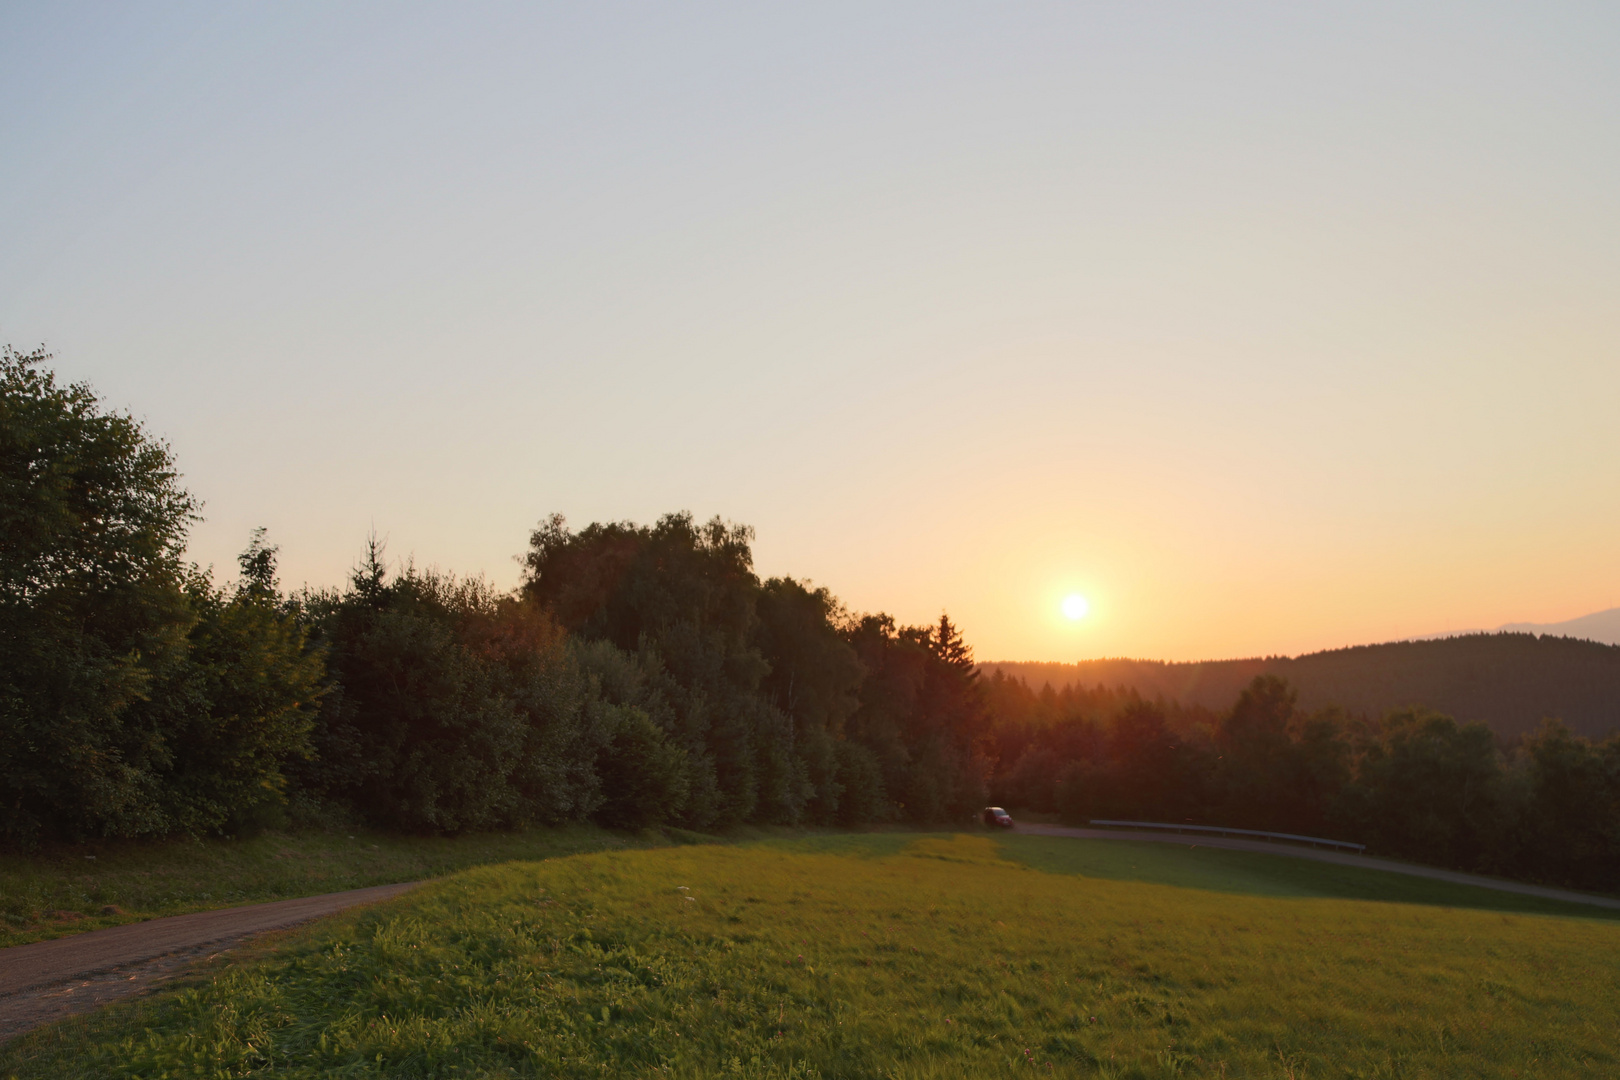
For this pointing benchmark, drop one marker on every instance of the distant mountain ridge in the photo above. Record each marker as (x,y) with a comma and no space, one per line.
(1508,680)
(1601,626)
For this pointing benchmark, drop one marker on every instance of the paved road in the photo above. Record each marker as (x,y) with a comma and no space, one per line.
(1297,851)
(49,979)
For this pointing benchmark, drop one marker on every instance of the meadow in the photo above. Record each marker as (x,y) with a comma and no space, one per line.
(67,889)
(895,956)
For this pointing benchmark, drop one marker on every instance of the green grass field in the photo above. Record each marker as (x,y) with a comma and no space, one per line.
(891,956)
(64,891)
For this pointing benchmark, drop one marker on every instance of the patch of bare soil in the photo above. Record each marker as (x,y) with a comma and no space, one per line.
(48,980)
(29,1009)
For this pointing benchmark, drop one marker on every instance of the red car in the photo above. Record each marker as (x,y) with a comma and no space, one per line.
(995,815)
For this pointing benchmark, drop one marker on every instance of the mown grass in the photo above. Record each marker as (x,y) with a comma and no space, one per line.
(64,890)
(931,956)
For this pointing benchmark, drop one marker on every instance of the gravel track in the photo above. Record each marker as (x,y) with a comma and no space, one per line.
(47,980)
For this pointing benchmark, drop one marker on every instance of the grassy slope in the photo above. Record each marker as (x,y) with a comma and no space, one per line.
(63,891)
(888,957)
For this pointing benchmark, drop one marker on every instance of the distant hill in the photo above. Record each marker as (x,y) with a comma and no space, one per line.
(1506,680)
(1604,626)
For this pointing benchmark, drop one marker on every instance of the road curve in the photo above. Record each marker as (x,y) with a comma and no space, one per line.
(1296,851)
(45,980)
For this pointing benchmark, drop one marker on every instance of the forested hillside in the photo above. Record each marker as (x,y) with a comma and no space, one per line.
(1507,681)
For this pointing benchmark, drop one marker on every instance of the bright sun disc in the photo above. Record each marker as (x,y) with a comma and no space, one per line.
(1075,606)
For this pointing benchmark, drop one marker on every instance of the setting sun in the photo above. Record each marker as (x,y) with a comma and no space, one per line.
(1075,606)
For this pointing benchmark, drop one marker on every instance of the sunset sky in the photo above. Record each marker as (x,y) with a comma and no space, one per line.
(1265,327)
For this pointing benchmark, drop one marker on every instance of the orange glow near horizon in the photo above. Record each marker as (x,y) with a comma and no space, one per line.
(1285,336)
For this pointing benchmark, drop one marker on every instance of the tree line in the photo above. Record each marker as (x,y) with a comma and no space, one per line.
(1507,681)
(638,676)
(1414,783)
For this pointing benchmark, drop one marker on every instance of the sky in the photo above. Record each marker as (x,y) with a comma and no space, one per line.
(1265,327)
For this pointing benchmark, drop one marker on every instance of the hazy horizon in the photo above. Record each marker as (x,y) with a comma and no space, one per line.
(1266,329)
(1602,627)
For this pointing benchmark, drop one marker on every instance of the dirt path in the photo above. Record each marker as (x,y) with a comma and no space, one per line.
(47,980)
(1297,851)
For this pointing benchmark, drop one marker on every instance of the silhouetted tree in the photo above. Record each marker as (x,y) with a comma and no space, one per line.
(1569,829)
(813,680)
(1430,789)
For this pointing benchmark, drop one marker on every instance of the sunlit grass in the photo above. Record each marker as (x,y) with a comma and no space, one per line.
(944,959)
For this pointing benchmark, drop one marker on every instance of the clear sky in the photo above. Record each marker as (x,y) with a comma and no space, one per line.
(1266,327)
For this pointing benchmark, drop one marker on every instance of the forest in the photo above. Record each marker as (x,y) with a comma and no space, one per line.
(638,676)
(1507,681)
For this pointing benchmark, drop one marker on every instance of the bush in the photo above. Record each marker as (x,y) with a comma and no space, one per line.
(644,780)
(456,708)
(863,800)
(236,708)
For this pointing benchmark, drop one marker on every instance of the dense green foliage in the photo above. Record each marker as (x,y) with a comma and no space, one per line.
(453,708)
(873,958)
(641,675)
(1506,681)
(780,708)
(136,697)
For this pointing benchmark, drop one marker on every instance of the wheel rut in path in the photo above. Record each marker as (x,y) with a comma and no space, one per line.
(48,980)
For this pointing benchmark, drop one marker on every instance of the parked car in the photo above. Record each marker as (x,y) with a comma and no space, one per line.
(995,815)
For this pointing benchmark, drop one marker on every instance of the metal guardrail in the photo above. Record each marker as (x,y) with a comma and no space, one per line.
(1222,831)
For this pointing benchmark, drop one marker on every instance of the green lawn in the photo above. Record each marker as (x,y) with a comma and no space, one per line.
(889,956)
(63,891)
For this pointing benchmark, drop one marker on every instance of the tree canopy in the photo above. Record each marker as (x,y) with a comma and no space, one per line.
(136,697)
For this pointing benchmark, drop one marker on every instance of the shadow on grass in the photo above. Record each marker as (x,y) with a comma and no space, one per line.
(1254,874)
